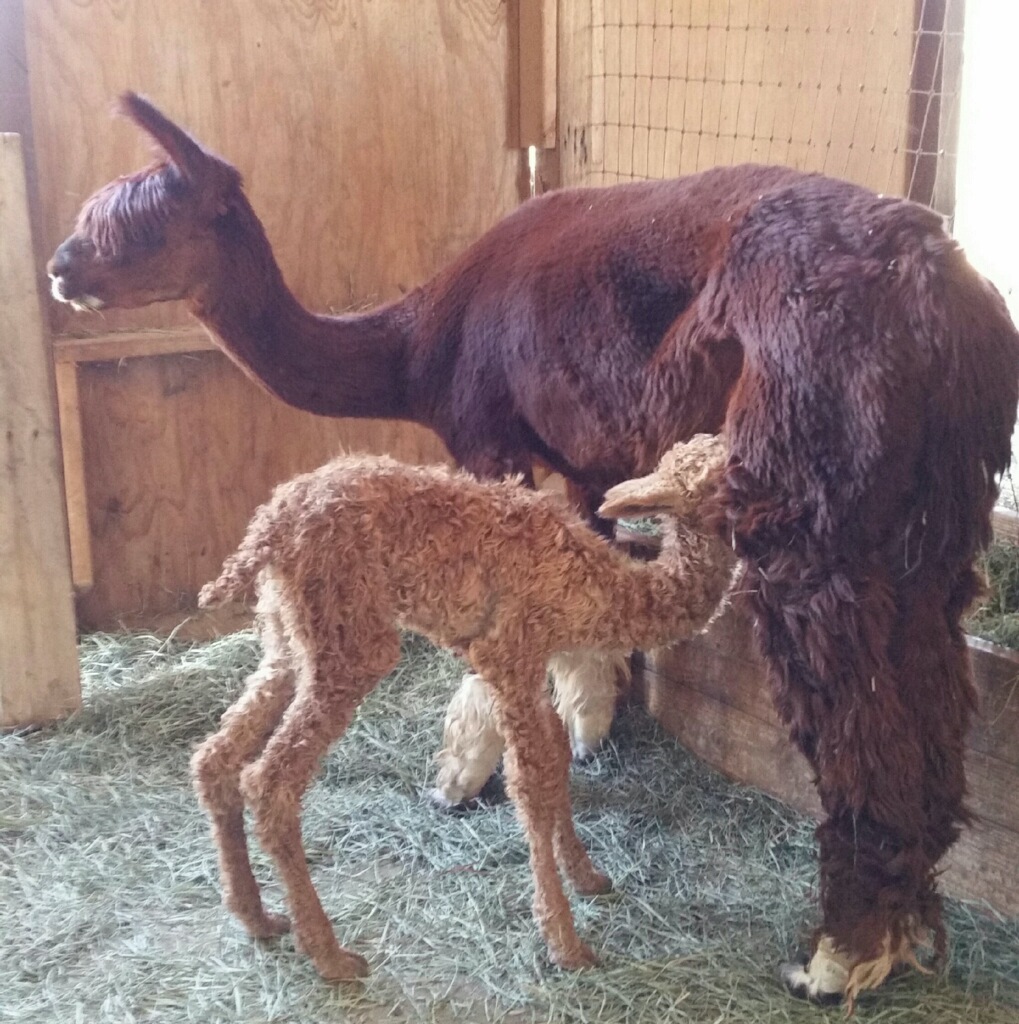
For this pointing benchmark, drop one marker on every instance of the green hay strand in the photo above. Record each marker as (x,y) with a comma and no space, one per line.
(109,896)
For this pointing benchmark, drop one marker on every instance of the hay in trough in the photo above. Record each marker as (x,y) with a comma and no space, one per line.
(109,898)
(997,617)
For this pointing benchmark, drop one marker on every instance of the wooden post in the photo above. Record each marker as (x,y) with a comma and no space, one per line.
(537,73)
(38,654)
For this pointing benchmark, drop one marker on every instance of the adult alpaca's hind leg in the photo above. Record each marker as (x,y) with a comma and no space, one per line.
(216,767)
(586,685)
(536,778)
(331,684)
(471,745)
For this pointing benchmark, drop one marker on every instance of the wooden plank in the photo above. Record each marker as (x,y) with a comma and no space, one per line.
(75,489)
(712,694)
(1006,526)
(130,345)
(537,53)
(38,655)
(178,452)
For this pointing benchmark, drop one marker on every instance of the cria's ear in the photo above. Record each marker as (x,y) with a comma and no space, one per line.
(645,496)
(181,148)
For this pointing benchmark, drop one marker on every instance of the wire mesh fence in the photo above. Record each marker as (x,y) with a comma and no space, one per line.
(862,89)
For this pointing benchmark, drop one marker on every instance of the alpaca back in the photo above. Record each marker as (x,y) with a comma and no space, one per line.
(443,553)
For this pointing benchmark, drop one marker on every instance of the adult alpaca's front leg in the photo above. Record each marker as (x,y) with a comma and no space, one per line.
(586,685)
(471,745)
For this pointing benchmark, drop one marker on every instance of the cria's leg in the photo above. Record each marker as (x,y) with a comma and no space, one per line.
(216,767)
(587,684)
(330,687)
(536,765)
(572,858)
(471,745)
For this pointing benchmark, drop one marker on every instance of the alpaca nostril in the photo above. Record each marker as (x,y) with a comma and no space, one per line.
(58,265)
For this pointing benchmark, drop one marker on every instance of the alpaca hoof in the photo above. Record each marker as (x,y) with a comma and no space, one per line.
(584,752)
(579,956)
(597,885)
(342,966)
(493,792)
(271,926)
(801,984)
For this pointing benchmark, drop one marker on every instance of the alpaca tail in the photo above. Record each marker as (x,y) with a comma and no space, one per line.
(239,571)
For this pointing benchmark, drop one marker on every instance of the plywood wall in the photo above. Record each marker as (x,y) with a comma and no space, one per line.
(376,140)
(677,86)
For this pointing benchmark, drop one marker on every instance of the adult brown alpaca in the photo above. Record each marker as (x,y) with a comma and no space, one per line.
(866,375)
(344,557)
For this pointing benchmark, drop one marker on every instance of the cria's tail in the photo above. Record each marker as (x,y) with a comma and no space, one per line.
(239,571)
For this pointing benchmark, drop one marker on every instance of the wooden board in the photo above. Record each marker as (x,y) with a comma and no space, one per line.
(675,88)
(376,140)
(712,694)
(38,654)
(536,47)
(178,452)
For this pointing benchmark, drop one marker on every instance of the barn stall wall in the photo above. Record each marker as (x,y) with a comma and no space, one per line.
(861,89)
(376,140)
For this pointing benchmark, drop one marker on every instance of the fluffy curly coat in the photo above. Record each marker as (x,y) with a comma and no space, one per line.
(344,557)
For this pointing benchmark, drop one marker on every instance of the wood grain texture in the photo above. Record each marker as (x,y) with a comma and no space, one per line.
(712,694)
(72,445)
(38,653)
(373,136)
(676,88)
(537,77)
(179,450)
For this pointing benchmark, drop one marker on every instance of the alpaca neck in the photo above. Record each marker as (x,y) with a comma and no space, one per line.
(680,592)
(330,365)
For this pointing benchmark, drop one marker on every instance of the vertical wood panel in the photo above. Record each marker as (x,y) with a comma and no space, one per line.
(38,655)
(537,49)
(72,445)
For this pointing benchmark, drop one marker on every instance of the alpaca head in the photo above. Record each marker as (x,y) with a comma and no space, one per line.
(687,477)
(154,235)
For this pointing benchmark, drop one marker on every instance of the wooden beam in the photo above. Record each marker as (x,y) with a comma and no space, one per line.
(537,41)
(38,654)
(100,348)
(72,444)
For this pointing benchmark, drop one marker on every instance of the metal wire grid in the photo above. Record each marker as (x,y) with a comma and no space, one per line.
(862,89)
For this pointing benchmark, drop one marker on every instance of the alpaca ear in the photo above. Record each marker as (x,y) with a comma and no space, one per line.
(644,496)
(183,151)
